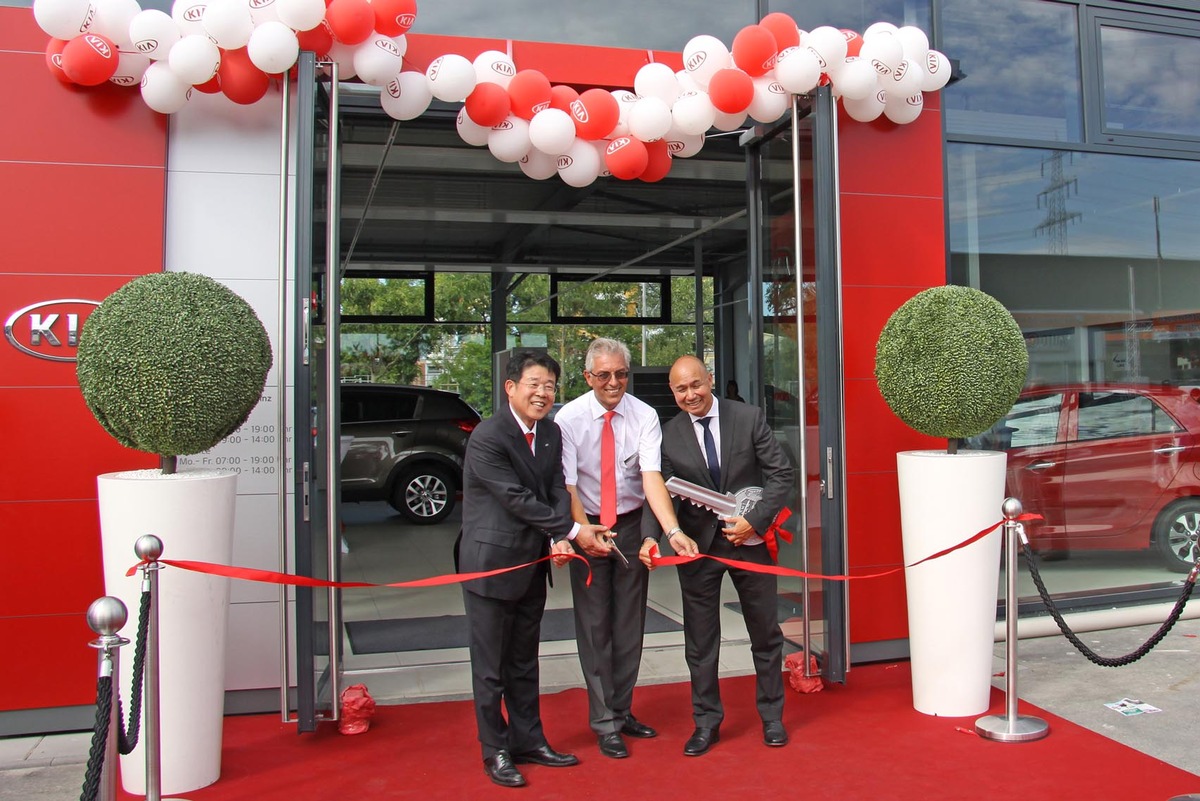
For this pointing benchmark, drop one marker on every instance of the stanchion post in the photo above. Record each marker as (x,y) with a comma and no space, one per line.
(148,549)
(1011,727)
(106,616)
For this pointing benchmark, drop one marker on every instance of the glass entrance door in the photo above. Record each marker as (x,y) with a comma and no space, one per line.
(316,365)
(794,260)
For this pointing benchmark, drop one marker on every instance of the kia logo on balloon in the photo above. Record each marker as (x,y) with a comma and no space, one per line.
(388,46)
(565,161)
(393,88)
(146,45)
(98,44)
(257,4)
(503,68)
(406,21)
(695,61)
(579,111)
(87,19)
(434,66)
(194,13)
(124,80)
(50,329)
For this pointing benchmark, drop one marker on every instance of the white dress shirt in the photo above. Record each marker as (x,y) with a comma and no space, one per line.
(638,440)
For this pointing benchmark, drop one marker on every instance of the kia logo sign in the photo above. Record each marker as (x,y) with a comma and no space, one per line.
(49,330)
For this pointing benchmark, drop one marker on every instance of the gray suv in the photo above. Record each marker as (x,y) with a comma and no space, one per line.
(407,449)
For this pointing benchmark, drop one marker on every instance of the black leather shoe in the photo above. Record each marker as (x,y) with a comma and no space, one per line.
(611,745)
(547,756)
(701,740)
(500,769)
(633,727)
(774,734)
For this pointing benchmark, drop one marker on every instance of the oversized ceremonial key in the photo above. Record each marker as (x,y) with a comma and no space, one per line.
(726,504)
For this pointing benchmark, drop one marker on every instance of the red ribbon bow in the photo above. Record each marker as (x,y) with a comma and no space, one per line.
(776,532)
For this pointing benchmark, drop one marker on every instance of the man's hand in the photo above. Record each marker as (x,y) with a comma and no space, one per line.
(560,552)
(649,546)
(737,530)
(594,540)
(684,545)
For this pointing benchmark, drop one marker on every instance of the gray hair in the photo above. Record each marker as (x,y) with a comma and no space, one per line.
(604,345)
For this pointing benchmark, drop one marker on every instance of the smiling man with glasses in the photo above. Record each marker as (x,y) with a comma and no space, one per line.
(611,455)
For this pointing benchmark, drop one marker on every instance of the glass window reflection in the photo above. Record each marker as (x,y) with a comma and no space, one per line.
(1020,61)
(1150,81)
(855,16)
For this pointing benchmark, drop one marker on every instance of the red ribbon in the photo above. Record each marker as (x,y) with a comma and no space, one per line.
(776,532)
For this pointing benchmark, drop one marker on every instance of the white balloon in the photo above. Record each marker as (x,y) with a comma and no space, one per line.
(650,118)
(163,90)
(625,100)
(300,15)
(686,83)
(492,66)
(867,108)
(262,11)
(684,145)
(380,58)
(914,43)
(64,19)
(551,131)
(728,122)
(883,51)
(538,165)
(509,141)
(451,78)
(189,16)
(131,66)
(828,44)
(937,72)
(112,21)
(693,113)
(657,80)
(904,81)
(879,27)
(798,70)
(855,79)
(273,47)
(469,131)
(601,146)
(406,97)
(153,33)
(903,110)
(343,54)
(194,59)
(228,23)
(580,165)
(770,99)
(703,56)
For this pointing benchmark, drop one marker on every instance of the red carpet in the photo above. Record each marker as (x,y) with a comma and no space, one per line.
(858,741)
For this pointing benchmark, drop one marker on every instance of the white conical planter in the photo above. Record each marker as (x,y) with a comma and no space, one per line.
(192,513)
(944,499)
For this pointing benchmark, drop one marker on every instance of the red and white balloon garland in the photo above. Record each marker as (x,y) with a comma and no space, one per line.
(236,47)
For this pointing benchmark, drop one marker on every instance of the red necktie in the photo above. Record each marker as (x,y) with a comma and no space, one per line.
(608,473)
(529,439)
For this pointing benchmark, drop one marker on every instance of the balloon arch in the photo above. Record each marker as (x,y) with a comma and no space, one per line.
(237,47)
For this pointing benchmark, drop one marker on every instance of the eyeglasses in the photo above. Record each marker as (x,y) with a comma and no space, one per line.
(549,387)
(620,375)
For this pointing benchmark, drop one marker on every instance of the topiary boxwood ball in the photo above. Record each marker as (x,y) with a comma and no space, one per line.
(951,361)
(172,363)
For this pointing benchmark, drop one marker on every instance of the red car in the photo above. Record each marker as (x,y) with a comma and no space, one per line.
(1108,466)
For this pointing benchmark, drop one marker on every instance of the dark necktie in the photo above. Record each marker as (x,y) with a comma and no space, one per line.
(608,473)
(710,452)
(529,439)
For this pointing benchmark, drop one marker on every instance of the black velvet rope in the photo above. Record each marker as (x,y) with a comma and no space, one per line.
(95,763)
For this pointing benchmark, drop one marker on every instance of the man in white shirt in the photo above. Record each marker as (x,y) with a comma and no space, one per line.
(611,463)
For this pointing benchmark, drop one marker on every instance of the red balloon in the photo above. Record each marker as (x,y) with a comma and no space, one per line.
(530,92)
(854,42)
(54,50)
(754,50)
(731,90)
(394,17)
(488,104)
(210,87)
(90,59)
(241,81)
(561,97)
(626,158)
(783,28)
(595,114)
(350,21)
(318,40)
(658,162)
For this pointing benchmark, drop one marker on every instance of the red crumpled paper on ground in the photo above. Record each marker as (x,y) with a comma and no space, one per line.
(794,665)
(357,708)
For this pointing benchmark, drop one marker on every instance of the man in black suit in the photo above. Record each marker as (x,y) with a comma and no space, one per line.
(515,510)
(727,446)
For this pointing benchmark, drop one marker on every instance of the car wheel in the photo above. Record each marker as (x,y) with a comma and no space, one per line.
(424,494)
(1175,535)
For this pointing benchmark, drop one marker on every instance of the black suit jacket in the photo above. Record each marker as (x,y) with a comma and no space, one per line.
(513,503)
(750,456)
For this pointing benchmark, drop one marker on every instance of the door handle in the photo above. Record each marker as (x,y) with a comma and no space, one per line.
(401,433)
(1170,449)
(1041,465)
